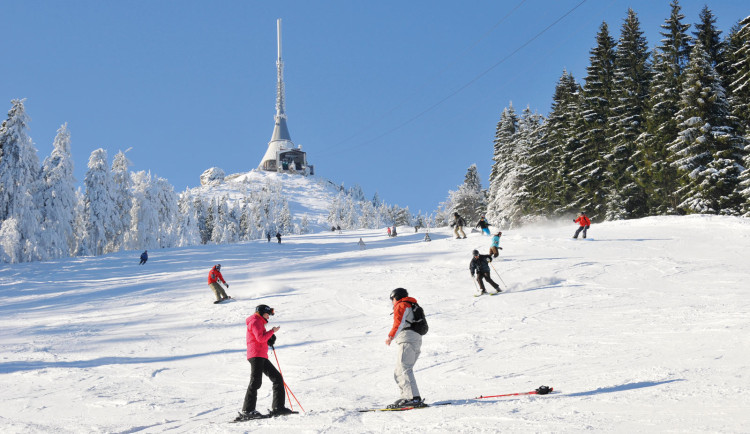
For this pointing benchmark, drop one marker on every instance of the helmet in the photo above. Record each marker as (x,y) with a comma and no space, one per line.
(263,309)
(217,266)
(475,252)
(398,294)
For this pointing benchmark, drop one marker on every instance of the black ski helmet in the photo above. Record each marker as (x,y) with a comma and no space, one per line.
(399,293)
(264,309)
(217,266)
(475,252)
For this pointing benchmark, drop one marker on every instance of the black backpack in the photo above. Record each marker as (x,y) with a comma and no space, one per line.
(419,324)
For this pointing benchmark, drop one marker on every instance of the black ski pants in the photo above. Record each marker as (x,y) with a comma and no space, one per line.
(258,367)
(486,276)
(578,231)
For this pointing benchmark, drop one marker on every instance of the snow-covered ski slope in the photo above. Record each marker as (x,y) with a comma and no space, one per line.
(644,327)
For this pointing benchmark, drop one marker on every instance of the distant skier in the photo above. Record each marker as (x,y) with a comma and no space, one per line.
(268,236)
(214,276)
(409,346)
(583,224)
(458,225)
(144,257)
(361,244)
(393,232)
(258,340)
(479,264)
(389,231)
(496,245)
(427,237)
(482,223)
(278,237)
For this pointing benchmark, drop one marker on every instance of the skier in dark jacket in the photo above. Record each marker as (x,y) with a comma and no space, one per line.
(278,237)
(480,265)
(458,225)
(144,257)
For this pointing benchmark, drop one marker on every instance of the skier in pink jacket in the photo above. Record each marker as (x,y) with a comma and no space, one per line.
(258,339)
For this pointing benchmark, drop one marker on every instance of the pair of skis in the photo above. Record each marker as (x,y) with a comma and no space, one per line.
(542,390)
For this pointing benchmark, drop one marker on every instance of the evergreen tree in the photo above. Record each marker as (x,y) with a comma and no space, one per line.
(469,200)
(626,199)
(589,168)
(57,198)
(707,151)
(550,179)
(101,217)
(144,215)
(123,203)
(502,177)
(168,210)
(737,69)
(709,36)
(654,173)
(19,185)
(188,233)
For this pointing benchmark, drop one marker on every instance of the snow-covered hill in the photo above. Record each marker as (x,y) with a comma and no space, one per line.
(641,328)
(306,195)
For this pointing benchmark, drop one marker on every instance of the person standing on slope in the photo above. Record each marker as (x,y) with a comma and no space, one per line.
(495,245)
(409,346)
(458,225)
(214,276)
(480,265)
(144,257)
(258,339)
(482,224)
(583,224)
(278,236)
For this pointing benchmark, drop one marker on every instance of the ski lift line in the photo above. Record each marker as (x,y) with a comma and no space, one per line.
(472,81)
(441,72)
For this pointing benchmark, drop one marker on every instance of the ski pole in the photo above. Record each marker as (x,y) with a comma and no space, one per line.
(286,386)
(475,283)
(498,276)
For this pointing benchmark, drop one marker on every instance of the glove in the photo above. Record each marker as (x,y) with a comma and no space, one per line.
(472,274)
(500,248)
(227,285)
(272,341)
(574,221)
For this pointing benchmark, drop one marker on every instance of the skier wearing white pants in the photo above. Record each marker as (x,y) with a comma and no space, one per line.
(409,346)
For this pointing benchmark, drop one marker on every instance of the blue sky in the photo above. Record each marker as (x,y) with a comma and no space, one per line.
(398,97)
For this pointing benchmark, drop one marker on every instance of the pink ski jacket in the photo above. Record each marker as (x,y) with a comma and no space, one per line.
(257,336)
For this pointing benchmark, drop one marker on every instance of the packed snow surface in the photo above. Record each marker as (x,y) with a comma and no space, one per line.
(643,327)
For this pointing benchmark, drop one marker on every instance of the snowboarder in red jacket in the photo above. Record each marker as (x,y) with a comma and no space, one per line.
(583,224)
(213,281)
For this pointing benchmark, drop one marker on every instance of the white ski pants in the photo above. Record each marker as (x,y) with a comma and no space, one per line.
(407,353)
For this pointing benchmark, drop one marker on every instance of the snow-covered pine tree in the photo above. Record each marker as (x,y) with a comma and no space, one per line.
(550,179)
(653,171)
(101,217)
(627,199)
(200,211)
(19,186)
(168,210)
(589,171)
(285,219)
(707,152)
(123,202)
(709,36)
(145,212)
(738,74)
(529,133)
(188,233)
(57,199)
(503,175)
(470,200)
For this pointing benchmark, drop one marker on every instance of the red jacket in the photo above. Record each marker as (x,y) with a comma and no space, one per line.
(215,275)
(257,336)
(401,313)
(583,221)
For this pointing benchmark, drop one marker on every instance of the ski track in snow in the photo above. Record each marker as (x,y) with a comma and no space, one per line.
(641,328)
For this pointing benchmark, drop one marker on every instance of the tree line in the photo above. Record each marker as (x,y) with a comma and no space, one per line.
(646,133)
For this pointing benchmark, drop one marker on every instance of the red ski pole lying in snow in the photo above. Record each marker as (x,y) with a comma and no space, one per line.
(286,387)
(542,390)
